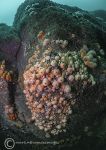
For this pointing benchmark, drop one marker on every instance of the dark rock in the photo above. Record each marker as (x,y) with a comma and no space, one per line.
(99,14)
(9,42)
(60,22)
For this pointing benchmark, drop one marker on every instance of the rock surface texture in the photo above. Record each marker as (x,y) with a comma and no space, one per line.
(60,54)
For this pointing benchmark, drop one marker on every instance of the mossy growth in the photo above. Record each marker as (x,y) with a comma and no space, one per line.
(8,33)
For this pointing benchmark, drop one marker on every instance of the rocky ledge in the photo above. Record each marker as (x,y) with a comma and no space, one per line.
(55,62)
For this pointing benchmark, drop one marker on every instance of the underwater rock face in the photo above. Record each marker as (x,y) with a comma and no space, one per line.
(4,94)
(50,85)
(100,14)
(72,24)
(10,49)
(9,42)
(55,83)
(61,65)
(62,69)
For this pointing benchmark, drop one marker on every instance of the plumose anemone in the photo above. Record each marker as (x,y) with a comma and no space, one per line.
(50,83)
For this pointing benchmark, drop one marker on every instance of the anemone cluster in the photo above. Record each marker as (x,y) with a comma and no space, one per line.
(91,58)
(4,74)
(50,85)
(32,9)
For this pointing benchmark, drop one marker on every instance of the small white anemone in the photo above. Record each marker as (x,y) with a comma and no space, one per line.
(47,58)
(60,79)
(45,82)
(56,72)
(53,63)
(67,89)
(69,70)
(64,44)
(46,42)
(77,77)
(71,78)
(55,84)
(57,58)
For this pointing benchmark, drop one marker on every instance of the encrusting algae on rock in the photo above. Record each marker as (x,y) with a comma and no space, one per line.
(50,84)
(7,78)
(4,74)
